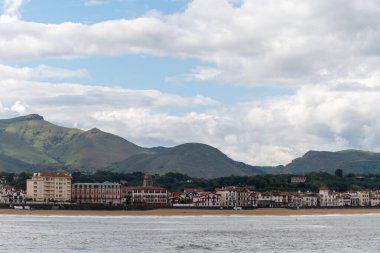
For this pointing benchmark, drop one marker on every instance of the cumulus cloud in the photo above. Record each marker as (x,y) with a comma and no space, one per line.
(328,49)
(262,42)
(11,10)
(265,132)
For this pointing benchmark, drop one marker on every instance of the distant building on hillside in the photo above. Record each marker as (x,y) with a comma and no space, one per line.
(297,179)
(49,186)
(97,193)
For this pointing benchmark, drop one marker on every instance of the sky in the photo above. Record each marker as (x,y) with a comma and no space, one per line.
(264,81)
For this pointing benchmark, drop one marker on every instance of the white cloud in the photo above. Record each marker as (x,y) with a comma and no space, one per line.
(262,42)
(331,44)
(11,10)
(93,2)
(19,108)
(265,132)
(39,72)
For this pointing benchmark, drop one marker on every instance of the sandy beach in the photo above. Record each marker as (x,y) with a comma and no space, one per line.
(191,212)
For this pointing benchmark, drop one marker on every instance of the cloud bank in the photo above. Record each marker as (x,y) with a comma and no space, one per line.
(262,42)
(265,132)
(328,50)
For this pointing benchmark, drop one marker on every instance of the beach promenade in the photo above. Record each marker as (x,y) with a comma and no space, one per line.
(195,212)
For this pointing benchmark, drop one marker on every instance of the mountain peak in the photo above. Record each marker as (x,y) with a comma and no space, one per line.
(94,131)
(33,117)
(25,118)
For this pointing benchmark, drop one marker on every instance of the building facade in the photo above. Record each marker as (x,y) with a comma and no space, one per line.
(233,196)
(310,200)
(97,193)
(49,186)
(207,200)
(141,196)
(363,198)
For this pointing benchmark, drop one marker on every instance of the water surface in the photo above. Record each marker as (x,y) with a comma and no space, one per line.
(328,233)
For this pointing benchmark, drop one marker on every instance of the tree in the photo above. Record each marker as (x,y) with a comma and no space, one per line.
(339,173)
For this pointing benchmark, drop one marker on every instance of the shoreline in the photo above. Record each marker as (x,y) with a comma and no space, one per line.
(193,212)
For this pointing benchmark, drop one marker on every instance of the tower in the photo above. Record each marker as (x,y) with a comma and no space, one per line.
(148,180)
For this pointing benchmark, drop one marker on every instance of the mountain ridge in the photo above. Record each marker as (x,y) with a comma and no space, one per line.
(29,142)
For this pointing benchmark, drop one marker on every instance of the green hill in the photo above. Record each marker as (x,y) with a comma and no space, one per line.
(30,143)
(350,161)
(197,160)
(34,142)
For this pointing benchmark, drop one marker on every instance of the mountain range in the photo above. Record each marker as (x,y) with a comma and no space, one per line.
(29,143)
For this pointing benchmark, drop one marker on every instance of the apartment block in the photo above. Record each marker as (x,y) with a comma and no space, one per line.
(49,186)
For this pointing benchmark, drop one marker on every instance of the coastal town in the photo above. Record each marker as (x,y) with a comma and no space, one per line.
(57,188)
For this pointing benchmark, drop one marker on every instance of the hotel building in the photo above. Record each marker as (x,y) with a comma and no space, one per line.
(146,196)
(97,193)
(49,186)
(233,196)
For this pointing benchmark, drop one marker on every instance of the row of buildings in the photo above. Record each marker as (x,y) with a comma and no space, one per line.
(57,186)
(48,186)
(230,197)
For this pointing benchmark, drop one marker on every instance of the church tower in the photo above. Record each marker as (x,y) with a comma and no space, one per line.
(148,180)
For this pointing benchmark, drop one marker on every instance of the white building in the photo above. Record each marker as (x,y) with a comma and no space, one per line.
(327,198)
(207,200)
(309,199)
(233,196)
(9,195)
(141,196)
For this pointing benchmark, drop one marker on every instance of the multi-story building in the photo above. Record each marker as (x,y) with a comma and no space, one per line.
(327,198)
(49,186)
(9,195)
(363,198)
(264,199)
(141,196)
(297,179)
(354,197)
(97,193)
(252,199)
(309,199)
(374,198)
(233,196)
(294,200)
(207,200)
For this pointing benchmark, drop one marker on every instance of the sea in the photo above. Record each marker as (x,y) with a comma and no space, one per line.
(323,233)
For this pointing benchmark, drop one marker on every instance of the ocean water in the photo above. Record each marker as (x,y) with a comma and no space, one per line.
(330,233)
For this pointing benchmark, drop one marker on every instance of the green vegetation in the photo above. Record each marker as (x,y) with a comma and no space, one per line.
(30,143)
(197,160)
(351,161)
(178,182)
